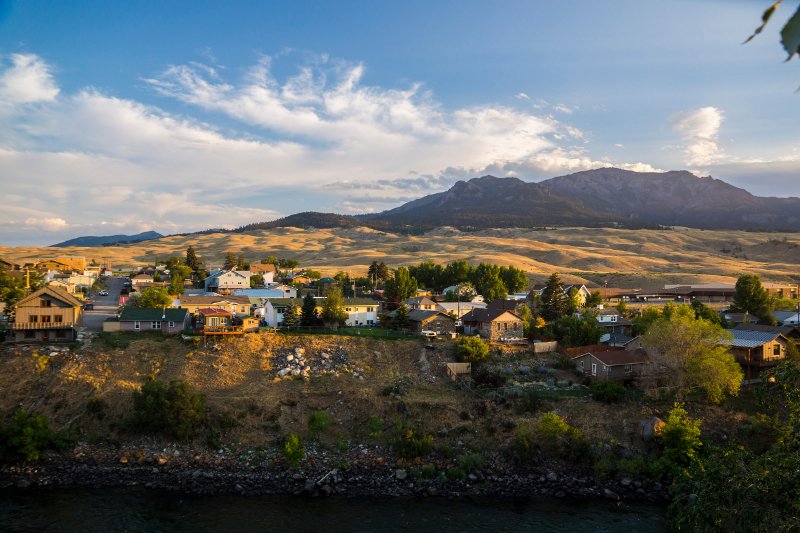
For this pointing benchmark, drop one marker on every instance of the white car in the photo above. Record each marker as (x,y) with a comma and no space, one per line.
(103,293)
(429,334)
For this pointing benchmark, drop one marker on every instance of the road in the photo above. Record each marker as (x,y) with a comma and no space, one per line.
(104,306)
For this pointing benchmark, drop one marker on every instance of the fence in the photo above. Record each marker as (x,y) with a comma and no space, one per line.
(542,347)
(456,369)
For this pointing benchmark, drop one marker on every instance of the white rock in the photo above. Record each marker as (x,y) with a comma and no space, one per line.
(290,358)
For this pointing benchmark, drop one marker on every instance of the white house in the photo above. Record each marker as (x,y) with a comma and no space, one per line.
(226,281)
(459,309)
(361,311)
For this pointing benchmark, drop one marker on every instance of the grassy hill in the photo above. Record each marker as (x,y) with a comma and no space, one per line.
(640,258)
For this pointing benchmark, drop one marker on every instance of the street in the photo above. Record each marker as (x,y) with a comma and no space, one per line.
(104,306)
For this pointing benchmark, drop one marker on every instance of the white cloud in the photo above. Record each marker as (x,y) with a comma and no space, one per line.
(522,96)
(28,80)
(89,156)
(700,130)
(47,224)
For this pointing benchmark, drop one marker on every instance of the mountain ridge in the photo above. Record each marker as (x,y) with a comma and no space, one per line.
(108,240)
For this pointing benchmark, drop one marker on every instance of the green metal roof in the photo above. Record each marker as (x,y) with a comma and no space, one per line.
(153,314)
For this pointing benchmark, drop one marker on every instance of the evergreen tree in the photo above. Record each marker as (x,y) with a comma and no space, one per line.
(400,320)
(555,301)
(308,314)
(230,261)
(191,259)
(751,297)
(290,318)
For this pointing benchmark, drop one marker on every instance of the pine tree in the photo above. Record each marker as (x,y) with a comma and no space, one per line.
(290,318)
(751,297)
(230,261)
(308,315)
(400,320)
(555,301)
(191,259)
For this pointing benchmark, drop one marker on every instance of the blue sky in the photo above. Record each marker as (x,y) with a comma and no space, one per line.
(117,117)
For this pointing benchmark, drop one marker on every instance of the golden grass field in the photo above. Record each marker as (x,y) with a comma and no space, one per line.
(618,257)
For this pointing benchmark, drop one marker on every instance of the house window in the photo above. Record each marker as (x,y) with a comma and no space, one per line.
(46,318)
(155,325)
(347,309)
(137,325)
(171,325)
(45,303)
(594,369)
(613,318)
(33,319)
(776,349)
(57,318)
(580,364)
(628,369)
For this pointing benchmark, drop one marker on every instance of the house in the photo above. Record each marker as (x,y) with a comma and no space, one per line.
(758,348)
(267,270)
(52,265)
(141,278)
(214,319)
(73,262)
(235,305)
(787,318)
(47,315)
(361,311)
(615,339)
(505,305)
(273,290)
(582,291)
(790,332)
(226,281)
(613,321)
(420,302)
(459,309)
(273,309)
(428,320)
(493,324)
(168,321)
(613,365)
(8,265)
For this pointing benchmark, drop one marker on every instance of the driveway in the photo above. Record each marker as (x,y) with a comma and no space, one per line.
(104,306)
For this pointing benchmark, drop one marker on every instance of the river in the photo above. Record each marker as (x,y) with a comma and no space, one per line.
(135,509)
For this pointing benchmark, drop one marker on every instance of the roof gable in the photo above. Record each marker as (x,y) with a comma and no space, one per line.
(617,357)
(53,293)
(153,314)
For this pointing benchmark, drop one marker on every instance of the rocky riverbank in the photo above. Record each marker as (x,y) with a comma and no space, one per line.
(360,472)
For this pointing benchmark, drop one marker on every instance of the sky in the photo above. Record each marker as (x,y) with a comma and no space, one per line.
(121,117)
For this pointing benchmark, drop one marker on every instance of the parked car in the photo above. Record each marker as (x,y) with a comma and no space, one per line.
(103,293)
(87,307)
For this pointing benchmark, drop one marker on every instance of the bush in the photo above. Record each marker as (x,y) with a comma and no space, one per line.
(633,467)
(472,462)
(528,401)
(400,386)
(523,445)
(319,421)
(607,391)
(681,437)
(293,450)
(97,408)
(557,436)
(471,350)
(375,426)
(483,377)
(408,444)
(27,436)
(175,410)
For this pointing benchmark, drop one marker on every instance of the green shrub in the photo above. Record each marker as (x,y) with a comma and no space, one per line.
(523,445)
(632,467)
(423,472)
(27,436)
(472,349)
(607,391)
(398,387)
(319,421)
(96,407)
(456,473)
(375,426)
(472,462)
(408,444)
(175,410)
(681,436)
(603,468)
(293,450)
(555,435)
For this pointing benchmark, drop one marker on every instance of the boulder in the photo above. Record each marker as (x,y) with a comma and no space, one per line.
(651,427)
(400,474)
